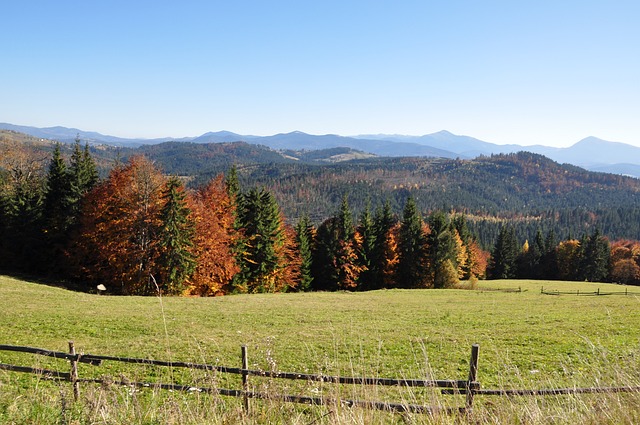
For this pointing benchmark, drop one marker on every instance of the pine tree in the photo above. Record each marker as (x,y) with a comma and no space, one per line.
(176,262)
(411,249)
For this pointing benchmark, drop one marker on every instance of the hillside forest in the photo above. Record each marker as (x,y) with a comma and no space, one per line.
(139,231)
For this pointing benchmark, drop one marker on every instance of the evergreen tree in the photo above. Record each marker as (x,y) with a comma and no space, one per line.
(176,261)
(335,259)
(529,261)
(232,184)
(259,217)
(56,198)
(304,238)
(345,220)
(83,177)
(367,236)
(594,259)
(549,260)
(441,248)
(325,247)
(384,256)
(411,249)
(504,255)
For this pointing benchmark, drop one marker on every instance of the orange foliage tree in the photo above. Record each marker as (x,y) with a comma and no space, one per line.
(625,262)
(117,244)
(215,238)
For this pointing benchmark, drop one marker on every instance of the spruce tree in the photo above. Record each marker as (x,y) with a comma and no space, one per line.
(594,261)
(382,269)
(441,247)
(366,232)
(176,261)
(411,248)
(504,255)
(304,238)
(260,220)
(56,199)
(83,177)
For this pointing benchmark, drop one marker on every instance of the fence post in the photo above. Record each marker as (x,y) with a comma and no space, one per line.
(598,291)
(74,372)
(245,378)
(473,375)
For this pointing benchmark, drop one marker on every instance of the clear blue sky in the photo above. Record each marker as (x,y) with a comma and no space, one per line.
(548,72)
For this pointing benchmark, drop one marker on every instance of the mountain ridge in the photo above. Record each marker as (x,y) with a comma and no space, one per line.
(591,153)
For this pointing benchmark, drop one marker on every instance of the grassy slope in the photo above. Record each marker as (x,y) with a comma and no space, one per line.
(527,340)
(386,333)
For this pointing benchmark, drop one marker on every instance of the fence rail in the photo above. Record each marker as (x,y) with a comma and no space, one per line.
(469,387)
(597,292)
(453,386)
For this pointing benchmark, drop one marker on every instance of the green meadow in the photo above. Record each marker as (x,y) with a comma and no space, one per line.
(527,340)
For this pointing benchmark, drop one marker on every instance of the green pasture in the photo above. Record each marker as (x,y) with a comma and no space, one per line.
(527,340)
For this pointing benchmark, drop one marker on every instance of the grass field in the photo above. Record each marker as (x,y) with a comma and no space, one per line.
(527,340)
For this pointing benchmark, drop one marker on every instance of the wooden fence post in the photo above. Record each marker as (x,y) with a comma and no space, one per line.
(74,372)
(245,378)
(473,375)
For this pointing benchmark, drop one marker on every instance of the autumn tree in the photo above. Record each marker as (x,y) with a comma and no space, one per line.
(118,242)
(568,257)
(215,240)
(625,262)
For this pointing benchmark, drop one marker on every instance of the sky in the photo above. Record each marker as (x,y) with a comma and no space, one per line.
(525,72)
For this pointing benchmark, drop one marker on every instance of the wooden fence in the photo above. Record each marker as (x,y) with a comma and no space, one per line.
(466,387)
(469,387)
(587,293)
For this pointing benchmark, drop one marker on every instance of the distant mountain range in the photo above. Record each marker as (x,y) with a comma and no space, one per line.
(590,153)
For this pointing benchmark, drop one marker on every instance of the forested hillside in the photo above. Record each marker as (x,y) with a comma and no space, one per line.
(418,223)
(528,190)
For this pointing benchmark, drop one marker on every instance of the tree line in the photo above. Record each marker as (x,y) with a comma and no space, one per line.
(139,231)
